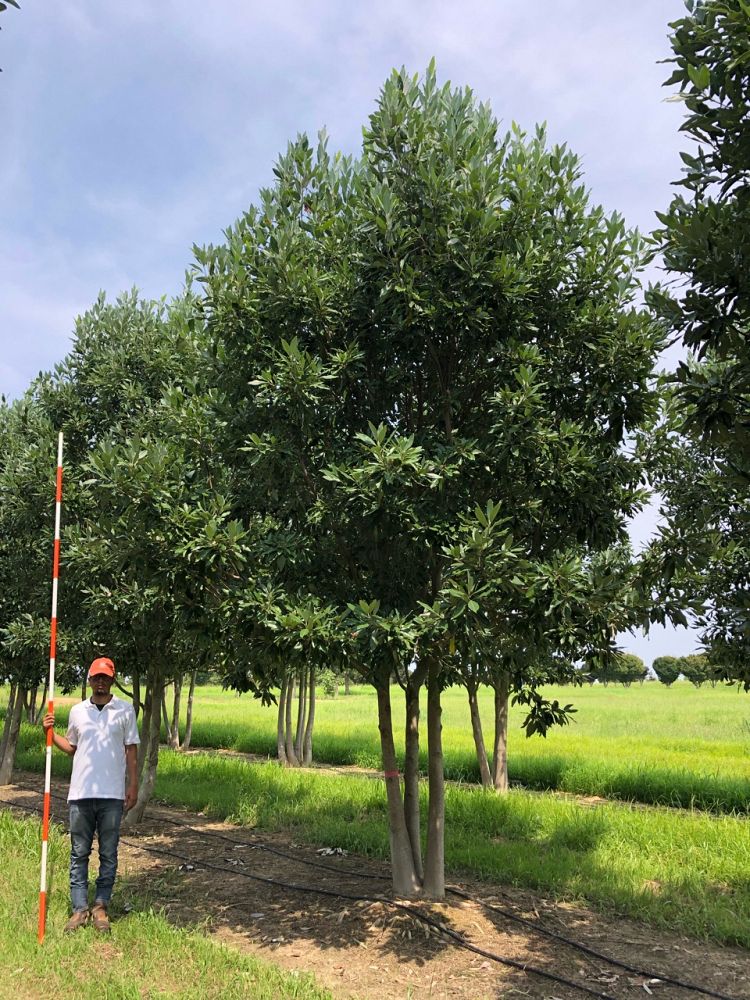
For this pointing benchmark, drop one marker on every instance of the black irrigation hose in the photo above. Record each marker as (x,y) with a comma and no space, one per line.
(508,914)
(414,913)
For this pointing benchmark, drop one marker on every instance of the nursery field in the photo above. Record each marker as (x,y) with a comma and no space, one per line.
(680,746)
(679,869)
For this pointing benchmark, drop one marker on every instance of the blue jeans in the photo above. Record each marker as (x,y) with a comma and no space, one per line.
(89,816)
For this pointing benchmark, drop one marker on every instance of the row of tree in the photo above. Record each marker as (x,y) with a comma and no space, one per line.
(396,425)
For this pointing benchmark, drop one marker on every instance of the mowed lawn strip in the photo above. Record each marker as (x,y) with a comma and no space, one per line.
(678,746)
(145,955)
(679,869)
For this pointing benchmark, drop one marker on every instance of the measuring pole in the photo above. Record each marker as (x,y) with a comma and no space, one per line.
(50,693)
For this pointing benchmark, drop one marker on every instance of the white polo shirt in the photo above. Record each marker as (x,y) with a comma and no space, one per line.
(100,738)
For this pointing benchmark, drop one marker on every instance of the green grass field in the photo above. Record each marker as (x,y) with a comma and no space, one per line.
(678,746)
(145,957)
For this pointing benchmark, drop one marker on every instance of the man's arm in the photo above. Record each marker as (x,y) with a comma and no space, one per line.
(48,722)
(131,775)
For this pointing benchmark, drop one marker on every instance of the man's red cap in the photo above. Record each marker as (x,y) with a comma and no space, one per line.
(102,665)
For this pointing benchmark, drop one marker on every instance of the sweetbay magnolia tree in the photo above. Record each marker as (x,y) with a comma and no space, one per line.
(432,361)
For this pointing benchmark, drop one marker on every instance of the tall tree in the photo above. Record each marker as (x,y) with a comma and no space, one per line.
(705,240)
(432,360)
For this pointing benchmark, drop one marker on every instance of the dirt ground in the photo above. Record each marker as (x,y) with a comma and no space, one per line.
(370,950)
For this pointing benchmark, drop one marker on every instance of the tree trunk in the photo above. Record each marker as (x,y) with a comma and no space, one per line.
(84,685)
(41,709)
(347,683)
(500,754)
(307,742)
(189,711)
(145,730)
(411,767)
(8,719)
(148,776)
(164,715)
(11,743)
(31,705)
(137,706)
(174,729)
(405,879)
(476,728)
(289,741)
(281,724)
(434,869)
(301,713)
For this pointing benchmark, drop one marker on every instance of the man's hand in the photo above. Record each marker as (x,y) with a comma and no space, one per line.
(48,722)
(131,797)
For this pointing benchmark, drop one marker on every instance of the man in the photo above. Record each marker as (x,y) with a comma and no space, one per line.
(102,739)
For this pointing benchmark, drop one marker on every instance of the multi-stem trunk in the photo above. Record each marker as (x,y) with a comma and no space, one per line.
(434,868)
(148,776)
(189,711)
(411,766)
(406,882)
(8,717)
(9,757)
(476,729)
(347,683)
(500,754)
(281,724)
(307,751)
(173,735)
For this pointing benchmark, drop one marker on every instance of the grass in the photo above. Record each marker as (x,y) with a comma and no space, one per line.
(678,746)
(145,957)
(684,870)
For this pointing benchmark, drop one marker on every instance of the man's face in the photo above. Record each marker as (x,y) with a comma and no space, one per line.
(101,683)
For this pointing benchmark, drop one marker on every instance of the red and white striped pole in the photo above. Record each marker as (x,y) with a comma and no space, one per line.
(51,693)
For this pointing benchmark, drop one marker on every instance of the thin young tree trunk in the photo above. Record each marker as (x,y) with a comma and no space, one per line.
(42,707)
(8,718)
(301,712)
(500,753)
(281,724)
(347,683)
(148,776)
(137,705)
(434,869)
(411,766)
(174,729)
(145,730)
(164,715)
(31,705)
(289,741)
(405,879)
(189,711)
(307,743)
(9,756)
(476,728)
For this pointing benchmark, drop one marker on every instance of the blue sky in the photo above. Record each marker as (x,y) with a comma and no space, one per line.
(132,130)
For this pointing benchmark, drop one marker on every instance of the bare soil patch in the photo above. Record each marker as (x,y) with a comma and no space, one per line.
(369,950)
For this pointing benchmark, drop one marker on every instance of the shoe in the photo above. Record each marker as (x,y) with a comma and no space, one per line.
(99,918)
(79,919)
